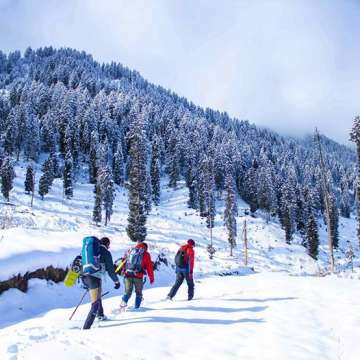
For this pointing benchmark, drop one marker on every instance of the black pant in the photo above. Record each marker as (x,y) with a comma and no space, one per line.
(180,276)
(94,285)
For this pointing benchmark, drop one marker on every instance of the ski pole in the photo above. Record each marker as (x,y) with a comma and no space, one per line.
(81,300)
(105,293)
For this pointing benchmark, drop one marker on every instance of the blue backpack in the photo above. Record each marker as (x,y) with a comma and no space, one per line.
(134,261)
(90,254)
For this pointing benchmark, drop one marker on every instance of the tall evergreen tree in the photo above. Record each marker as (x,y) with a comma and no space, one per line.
(345,202)
(7,174)
(118,166)
(334,221)
(68,175)
(207,192)
(29,183)
(312,237)
(136,228)
(93,158)
(97,205)
(193,202)
(230,211)
(155,171)
(249,192)
(46,178)
(148,198)
(31,136)
(287,211)
(106,183)
(355,137)
(173,157)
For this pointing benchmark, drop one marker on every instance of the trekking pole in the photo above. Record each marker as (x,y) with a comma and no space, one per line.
(105,293)
(81,300)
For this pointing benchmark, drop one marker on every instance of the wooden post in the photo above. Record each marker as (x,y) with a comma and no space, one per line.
(33,191)
(245,243)
(327,202)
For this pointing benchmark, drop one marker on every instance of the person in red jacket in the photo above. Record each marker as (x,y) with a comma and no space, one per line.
(185,259)
(137,264)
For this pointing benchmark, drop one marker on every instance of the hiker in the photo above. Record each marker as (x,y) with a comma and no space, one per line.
(138,263)
(92,278)
(184,261)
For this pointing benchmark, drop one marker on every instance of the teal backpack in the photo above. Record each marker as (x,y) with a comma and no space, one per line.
(90,254)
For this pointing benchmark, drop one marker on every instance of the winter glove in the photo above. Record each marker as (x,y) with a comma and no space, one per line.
(117,285)
(151,282)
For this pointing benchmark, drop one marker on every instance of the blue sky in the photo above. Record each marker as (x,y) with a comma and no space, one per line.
(288,65)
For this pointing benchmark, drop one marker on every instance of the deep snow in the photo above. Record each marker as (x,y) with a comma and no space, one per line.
(259,316)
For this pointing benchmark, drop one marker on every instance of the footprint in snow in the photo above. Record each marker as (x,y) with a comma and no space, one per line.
(13,349)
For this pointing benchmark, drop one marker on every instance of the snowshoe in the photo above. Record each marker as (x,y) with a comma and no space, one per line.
(123,306)
(73,273)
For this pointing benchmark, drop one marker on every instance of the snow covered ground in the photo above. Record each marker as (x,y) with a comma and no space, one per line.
(259,316)
(282,311)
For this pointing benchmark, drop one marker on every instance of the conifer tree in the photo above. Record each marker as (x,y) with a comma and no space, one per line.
(207,191)
(48,137)
(193,202)
(68,175)
(155,171)
(173,159)
(287,211)
(93,158)
(118,166)
(249,192)
(7,175)
(300,212)
(355,137)
(148,198)
(230,211)
(265,185)
(106,183)
(56,168)
(46,178)
(136,228)
(312,237)
(29,183)
(97,205)
(31,136)
(334,221)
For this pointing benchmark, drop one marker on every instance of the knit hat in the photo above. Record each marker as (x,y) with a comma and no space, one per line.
(105,241)
(191,242)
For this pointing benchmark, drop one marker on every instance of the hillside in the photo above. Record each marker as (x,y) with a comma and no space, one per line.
(51,232)
(102,148)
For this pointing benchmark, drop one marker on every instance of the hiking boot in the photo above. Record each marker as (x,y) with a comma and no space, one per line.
(102,318)
(168,297)
(123,304)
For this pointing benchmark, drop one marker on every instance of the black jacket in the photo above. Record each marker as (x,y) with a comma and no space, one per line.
(107,260)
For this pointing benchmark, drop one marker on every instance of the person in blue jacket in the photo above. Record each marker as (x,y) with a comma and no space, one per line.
(93,283)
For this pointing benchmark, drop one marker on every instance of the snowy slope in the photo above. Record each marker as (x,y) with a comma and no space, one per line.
(281,307)
(50,233)
(262,316)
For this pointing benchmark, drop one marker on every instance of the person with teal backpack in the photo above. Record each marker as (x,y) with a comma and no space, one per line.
(96,260)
